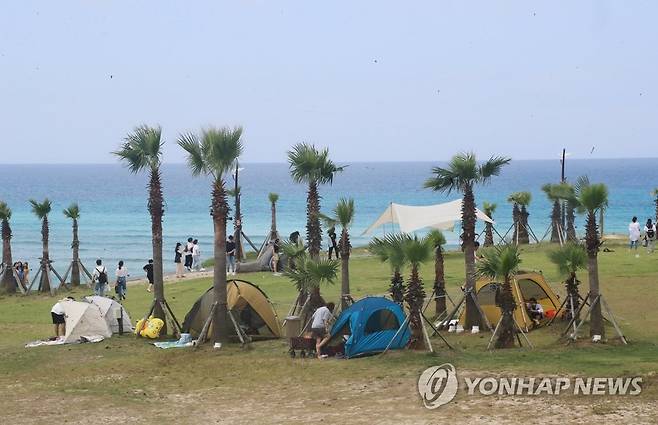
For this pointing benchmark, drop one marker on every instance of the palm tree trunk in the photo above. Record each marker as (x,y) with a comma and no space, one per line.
(313,231)
(75,265)
(555,222)
(220,210)
(516,219)
(273,232)
(45,257)
(344,267)
(414,298)
(656,202)
(488,234)
(524,231)
(571,228)
(571,285)
(237,220)
(592,242)
(7,281)
(439,283)
(397,287)
(507,306)
(156,211)
(468,238)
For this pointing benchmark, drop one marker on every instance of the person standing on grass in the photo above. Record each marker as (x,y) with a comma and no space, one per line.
(333,246)
(178,259)
(121,275)
(26,273)
(189,247)
(276,247)
(319,327)
(650,236)
(230,256)
(99,276)
(634,234)
(148,268)
(196,255)
(59,318)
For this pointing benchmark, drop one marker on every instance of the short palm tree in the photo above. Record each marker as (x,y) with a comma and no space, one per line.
(436,239)
(213,153)
(313,167)
(489,209)
(142,151)
(41,210)
(308,276)
(274,198)
(462,174)
(520,216)
(569,259)
(503,263)
(343,215)
(73,212)
(593,198)
(552,194)
(391,249)
(7,281)
(417,251)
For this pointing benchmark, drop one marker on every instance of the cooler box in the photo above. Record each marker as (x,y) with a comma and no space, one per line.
(292,327)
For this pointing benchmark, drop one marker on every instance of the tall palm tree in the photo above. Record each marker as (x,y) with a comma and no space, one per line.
(308,276)
(313,167)
(437,240)
(655,194)
(565,194)
(142,151)
(552,194)
(274,198)
(41,210)
(7,281)
(417,251)
(344,216)
(462,173)
(593,198)
(213,153)
(489,209)
(73,212)
(569,259)
(520,216)
(502,263)
(391,249)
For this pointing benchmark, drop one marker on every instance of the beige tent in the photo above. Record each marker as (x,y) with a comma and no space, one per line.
(83,319)
(111,311)
(411,218)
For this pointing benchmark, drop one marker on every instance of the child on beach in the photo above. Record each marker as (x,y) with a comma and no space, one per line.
(148,268)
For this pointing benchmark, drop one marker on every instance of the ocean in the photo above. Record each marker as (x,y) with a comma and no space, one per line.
(115,224)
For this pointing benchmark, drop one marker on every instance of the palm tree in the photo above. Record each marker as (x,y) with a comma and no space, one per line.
(7,281)
(273,197)
(343,215)
(41,210)
(520,216)
(569,259)
(461,174)
(417,251)
(73,212)
(313,167)
(142,151)
(391,249)
(556,213)
(213,153)
(592,198)
(655,194)
(502,263)
(489,210)
(308,275)
(437,240)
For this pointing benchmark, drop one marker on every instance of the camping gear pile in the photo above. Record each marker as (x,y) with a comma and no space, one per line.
(150,328)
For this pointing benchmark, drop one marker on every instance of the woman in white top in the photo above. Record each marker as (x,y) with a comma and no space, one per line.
(634,233)
(121,274)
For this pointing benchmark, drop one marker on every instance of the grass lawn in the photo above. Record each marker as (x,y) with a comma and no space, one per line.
(124,379)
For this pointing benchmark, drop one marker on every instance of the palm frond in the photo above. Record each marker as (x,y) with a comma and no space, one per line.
(5,211)
(41,209)
(569,258)
(489,208)
(72,212)
(195,161)
(499,262)
(417,250)
(436,238)
(141,149)
(492,167)
(273,197)
(593,197)
(307,165)
(221,147)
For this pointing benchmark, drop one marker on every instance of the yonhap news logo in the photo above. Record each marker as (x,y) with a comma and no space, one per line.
(438,385)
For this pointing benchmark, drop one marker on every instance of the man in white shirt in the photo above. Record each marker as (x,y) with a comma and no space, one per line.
(535,311)
(196,255)
(59,318)
(634,233)
(99,276)
(320,325)
(188,254)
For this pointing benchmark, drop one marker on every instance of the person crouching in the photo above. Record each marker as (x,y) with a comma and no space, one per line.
(319,326)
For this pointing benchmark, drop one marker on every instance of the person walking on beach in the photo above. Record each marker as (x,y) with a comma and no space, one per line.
(122,275)
(148,268)
(99,276)
(188,254)
(178,259)
(650,236)
(196,255)
(230,256)
(333,247)
(634,234)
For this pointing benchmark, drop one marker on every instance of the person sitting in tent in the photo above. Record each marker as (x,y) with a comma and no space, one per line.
(59,320)
(535,311)
(319,326)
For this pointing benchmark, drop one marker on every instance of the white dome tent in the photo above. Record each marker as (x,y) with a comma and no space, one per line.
(110,311)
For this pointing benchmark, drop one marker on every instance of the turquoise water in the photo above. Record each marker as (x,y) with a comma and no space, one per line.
(115,224)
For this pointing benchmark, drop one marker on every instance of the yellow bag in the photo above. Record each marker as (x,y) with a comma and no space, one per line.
(152,328)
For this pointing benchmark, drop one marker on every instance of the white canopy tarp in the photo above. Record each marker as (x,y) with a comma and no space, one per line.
(411,217)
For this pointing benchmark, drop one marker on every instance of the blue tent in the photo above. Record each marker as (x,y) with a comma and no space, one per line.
(371,324)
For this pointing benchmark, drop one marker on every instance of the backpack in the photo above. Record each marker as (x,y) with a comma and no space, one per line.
(102,275)
(651,233)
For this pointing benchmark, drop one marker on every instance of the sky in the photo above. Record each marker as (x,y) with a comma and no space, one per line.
(370,80)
